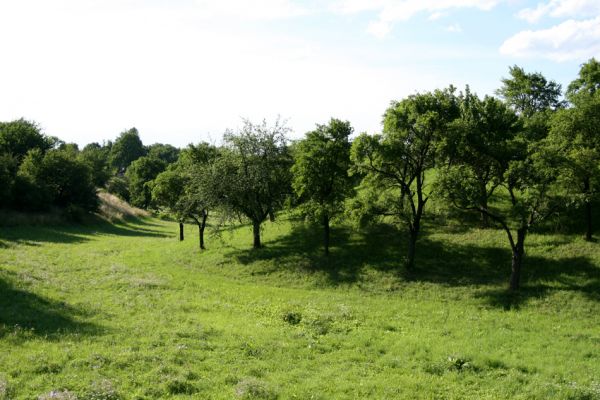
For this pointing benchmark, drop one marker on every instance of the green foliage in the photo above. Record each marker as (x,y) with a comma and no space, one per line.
(167,191)
(96,157)
(320,170)
(588,81)
(251,178)
(126,149)
(54,179)
(20,136)
(169,154)
(140,175)
(479,146)
(8,172)
(395,164)
(530,93)
(119,186)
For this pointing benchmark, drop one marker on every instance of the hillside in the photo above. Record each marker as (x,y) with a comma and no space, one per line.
(124,310)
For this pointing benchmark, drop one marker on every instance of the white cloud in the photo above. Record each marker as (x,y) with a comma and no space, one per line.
(435,16)
(392,11)
(570,40)
(561,9)
(379,29)
(456,28)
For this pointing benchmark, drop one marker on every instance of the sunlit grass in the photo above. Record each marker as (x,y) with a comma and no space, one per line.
(127,311)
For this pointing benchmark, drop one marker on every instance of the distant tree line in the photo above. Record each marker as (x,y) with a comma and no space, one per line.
(514,160)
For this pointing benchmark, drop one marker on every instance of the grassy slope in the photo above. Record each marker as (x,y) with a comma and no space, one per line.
(127,310)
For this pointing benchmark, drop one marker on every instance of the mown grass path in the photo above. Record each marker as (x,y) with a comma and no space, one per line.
(126,311)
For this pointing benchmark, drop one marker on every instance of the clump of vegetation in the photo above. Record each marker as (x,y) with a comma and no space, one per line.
(252,388)
(58,395)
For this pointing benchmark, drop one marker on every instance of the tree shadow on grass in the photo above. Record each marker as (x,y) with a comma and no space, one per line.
(383,248)
(76,232)
(302,250)
(27,313)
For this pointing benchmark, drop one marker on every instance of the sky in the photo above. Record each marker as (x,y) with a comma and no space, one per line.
(184,71)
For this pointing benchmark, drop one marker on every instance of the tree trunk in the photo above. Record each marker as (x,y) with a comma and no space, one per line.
(201,227)
(485,223)
(412,249)
(256,233)
(588,210)
(517,260)
(180,231)
(326,234)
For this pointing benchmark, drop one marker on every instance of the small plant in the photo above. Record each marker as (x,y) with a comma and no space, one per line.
(458,363)
(292,317)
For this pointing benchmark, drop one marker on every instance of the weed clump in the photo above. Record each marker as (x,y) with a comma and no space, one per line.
(180,386)
(252,388)
(57,395)
(103,390)
(4,390)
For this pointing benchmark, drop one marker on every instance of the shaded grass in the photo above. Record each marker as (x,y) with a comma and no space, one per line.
(127,311)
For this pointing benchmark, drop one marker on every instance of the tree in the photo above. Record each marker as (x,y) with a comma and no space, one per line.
(530,93)
(320,173)
(96,158)
(588,81)
(20,136)
(55,178)
(167,191)
(182,189)
(251,178)
(480,138)
(165,152)
(396,162)
(576,132)
(527,175)
(140,174)
(127,148)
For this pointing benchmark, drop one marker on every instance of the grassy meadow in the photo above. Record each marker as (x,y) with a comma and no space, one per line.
(126,311)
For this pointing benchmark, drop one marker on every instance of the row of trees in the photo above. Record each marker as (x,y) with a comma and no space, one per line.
(514,160)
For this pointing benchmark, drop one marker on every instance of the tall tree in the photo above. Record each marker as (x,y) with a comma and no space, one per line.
(527,175)
(96,157)
(588,81)
(320,173)
(252,178)
(576,132)
(529,93)
(127,148)
(480,138)
(167,191)
(396,162)
(141,173)
(183,189)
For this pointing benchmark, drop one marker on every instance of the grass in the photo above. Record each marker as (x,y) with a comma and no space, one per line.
(125,311)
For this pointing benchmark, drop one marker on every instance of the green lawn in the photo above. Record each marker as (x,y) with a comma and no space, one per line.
(126,311)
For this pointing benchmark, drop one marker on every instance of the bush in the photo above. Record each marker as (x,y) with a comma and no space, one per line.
(119,186)
(55,179)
